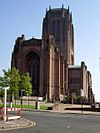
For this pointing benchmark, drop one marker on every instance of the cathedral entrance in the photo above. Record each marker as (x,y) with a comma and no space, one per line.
(33,67)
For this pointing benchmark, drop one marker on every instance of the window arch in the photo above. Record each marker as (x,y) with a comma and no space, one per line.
(33,67)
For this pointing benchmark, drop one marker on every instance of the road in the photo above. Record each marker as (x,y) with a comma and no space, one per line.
(47,122)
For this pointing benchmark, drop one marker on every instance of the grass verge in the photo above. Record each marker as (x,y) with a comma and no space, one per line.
(26,106)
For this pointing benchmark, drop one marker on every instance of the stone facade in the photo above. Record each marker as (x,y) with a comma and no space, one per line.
(45,63)
(80,82)
(50,60)
(58,22)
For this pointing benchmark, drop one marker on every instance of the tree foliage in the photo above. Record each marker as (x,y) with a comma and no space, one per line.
(15,82)
(25,84)
(4,81)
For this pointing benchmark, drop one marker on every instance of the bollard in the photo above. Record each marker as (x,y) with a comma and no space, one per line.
(37,105)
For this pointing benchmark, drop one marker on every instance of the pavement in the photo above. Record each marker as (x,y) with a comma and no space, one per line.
(79,112)
(23,123)
(14,124)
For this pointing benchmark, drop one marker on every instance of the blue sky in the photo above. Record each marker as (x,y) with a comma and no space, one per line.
(25,17)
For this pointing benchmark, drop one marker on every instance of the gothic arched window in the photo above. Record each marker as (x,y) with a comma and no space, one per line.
(33,67)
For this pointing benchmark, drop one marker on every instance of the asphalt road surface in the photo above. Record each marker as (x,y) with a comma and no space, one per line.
(47,122)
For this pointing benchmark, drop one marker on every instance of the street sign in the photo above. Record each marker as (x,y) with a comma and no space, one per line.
(40,98)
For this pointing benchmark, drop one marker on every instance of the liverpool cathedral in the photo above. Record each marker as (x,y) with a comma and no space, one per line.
(50,60)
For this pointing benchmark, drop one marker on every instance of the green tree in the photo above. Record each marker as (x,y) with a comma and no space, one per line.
(4,80)
(15,82)
(10,79)
(1,94)
(25,85)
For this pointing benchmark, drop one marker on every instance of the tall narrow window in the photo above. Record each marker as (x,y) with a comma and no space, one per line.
(33,67)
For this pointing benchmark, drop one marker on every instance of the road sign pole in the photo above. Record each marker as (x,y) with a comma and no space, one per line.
(5,96)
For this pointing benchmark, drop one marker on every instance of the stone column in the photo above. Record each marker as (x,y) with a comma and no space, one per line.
(63,78)
(59,75)
(67,89)
(51,75)
(41,75)
(56,75)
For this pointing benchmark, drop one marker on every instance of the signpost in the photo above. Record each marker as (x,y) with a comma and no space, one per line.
(37,104)
(5,97)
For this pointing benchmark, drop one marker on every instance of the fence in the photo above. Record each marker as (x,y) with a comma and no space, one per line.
(8,117)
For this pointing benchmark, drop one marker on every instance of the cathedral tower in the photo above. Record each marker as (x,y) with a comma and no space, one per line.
(58,22)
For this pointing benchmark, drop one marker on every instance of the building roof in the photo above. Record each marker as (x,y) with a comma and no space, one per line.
(74,66)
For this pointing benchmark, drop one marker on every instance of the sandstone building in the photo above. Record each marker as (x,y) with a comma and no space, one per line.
(46,65)
(58,22)
(47,59)
(80,82)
